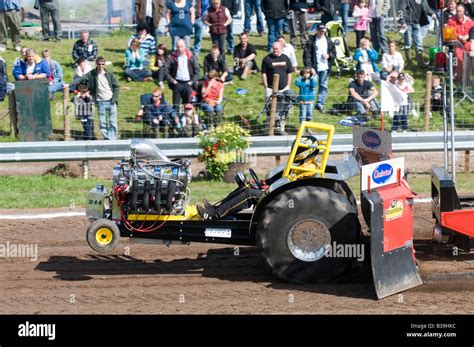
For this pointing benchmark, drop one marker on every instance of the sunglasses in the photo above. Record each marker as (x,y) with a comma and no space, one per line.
(100,63)
(156,96)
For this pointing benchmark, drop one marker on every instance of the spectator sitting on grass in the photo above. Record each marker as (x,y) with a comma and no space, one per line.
(189,121)
(55,77)
(85,48)
(147,42)
(84,107)
(158,64)
(21,57)
(362,94)
(216,61)
(244,57)
(31,68)
(134,63)
(212,96)
(157,112)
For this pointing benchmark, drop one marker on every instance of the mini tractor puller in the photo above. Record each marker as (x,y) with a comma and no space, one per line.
(304,210)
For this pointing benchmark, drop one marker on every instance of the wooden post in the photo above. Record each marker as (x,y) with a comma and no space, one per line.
(85,169)
(277,160)
(12,111)
(429,79)
(271,125)
(467,161)
(382,121)
(67,120)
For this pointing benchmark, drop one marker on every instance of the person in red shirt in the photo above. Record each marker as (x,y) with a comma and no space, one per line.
(212,96)
(462,24)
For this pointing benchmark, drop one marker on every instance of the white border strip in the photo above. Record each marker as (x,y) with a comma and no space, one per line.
(41,215)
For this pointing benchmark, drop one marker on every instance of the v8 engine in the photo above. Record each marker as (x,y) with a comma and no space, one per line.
(152,187)
(147,183)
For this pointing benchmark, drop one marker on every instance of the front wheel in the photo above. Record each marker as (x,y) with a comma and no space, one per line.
(103,235)
(297,229)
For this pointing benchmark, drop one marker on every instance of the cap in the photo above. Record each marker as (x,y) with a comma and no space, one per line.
(188,106)
(321,27)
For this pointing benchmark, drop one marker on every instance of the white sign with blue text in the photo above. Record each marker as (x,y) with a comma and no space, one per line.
(381,173)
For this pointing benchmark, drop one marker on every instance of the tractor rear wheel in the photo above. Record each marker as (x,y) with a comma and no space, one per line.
(296,228)
(103,235)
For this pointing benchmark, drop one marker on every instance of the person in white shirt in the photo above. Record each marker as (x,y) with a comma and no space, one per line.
(181,72)
(288,50)
(392,61)
(319,54)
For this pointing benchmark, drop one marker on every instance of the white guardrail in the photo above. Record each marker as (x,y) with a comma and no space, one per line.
(187,147)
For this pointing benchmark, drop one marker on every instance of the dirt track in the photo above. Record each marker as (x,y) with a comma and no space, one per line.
(203,278)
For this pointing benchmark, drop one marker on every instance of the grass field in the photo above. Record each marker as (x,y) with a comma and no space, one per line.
(112,47)
(50,191)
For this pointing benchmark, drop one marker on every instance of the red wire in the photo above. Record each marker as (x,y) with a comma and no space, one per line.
(128,225)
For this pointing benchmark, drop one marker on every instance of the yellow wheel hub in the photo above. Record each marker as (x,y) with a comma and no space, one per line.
(104,236)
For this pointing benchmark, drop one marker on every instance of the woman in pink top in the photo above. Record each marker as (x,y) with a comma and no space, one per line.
(361,20)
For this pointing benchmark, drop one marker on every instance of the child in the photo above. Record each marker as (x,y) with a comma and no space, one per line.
(84,106)
(401,117)
(436,94)
(366,58)
(190,121)
(361,20)
(307,90)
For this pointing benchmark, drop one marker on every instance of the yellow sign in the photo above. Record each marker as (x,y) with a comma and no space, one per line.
(394,211)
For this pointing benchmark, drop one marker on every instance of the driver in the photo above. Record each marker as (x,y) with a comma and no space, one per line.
(249,192)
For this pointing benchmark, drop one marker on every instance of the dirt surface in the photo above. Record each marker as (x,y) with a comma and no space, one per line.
(68,277)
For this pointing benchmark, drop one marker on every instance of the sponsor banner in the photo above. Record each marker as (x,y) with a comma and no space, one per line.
(382,173)
(372,140)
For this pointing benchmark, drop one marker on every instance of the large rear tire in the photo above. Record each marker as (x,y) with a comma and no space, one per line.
(296,227)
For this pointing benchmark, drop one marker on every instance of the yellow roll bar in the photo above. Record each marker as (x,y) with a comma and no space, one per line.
(312,167)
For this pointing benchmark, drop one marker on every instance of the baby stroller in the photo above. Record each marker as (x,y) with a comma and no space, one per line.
(343,61)
(285,102)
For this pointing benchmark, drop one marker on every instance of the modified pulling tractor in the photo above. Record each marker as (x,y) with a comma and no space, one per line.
(305,209)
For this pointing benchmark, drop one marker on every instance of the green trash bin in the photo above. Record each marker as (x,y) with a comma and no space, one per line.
(33,110)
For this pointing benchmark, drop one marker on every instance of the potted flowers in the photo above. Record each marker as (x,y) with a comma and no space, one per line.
(222,149)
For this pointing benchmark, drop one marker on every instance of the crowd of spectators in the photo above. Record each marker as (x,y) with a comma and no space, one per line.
(195,88)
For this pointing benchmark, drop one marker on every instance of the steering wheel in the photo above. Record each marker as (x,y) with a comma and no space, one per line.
(254,176)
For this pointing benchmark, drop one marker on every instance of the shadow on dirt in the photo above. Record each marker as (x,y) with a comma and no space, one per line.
(221,263)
